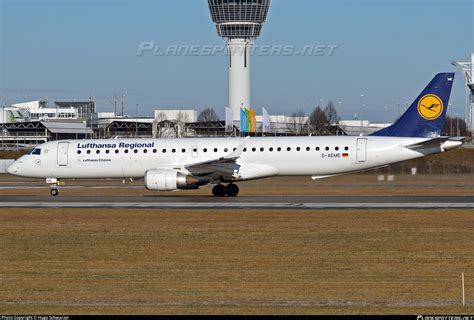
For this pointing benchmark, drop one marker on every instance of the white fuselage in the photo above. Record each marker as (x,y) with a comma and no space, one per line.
(262,157)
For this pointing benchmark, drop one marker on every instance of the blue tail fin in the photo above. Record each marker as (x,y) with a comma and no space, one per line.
(425,117)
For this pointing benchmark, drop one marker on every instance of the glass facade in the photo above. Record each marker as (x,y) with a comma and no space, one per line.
(239,18)
(239,30)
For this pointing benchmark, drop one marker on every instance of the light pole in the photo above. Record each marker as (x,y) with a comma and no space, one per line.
(3,119)
(361,111)
(339,103)
(457,125)
(451,120)
(136,121)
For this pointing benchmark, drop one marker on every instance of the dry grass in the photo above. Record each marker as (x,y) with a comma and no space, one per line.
(237,261)
(356,184)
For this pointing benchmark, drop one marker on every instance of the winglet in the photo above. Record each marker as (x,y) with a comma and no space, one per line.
(238,151)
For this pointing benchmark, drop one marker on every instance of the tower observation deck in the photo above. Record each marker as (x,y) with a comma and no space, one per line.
(239,23)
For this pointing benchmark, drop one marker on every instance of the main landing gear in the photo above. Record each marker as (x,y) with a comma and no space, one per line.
(230,190)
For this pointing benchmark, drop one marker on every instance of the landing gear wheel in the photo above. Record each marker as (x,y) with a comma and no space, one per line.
(54,192)
(218,190)
(231,190)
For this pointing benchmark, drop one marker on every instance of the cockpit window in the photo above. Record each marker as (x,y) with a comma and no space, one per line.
(36,151)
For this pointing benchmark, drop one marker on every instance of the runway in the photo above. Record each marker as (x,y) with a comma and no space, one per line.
(242,202)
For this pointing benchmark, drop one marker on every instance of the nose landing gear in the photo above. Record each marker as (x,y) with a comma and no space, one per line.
(54,184)
(230,190)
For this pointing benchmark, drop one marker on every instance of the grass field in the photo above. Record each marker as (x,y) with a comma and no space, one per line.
(354,184)
(235,261)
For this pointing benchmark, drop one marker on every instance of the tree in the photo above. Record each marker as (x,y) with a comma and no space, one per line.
(298,123)
(208,115)
(181,120)
(454,125)
(318,121)
(159,123)
(324,122)
(331,113)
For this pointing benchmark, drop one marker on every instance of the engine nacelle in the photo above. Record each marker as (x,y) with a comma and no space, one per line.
(169,180)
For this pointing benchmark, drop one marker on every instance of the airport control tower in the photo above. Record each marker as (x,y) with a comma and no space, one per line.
(467,69)
(239,22)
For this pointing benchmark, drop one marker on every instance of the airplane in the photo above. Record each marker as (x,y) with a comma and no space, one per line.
(189,163)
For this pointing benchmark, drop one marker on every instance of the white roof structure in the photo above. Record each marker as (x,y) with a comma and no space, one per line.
(69,126)
(30,105)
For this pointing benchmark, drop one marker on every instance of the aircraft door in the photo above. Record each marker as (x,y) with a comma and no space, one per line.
(63,153)
(362,150)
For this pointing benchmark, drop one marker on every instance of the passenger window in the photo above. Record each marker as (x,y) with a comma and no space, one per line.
(215,149)
(262,149)
(154,150)
(97,151)
(254,149)
(145,150)
(308,148)
(173,150)
(336,148)
(107,151)
(346,148)
(245,149)
(298,149)
(116,151)
(195,150)
(271,149)
(126,151)
(204,150)
(183,150)
(78,151)
(317,148)
(278,149)
(88,152)
(235,149)
(164,150)
(288,149)
(226,149)
(135,151)
(327,148)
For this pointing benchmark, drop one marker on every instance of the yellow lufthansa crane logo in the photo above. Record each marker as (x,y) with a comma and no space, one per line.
(430,107)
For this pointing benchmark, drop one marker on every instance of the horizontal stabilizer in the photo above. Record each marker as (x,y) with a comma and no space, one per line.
(436,145)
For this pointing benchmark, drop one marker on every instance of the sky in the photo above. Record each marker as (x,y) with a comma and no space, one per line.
(385,50)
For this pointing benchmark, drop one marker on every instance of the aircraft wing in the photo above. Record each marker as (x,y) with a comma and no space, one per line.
(225,166)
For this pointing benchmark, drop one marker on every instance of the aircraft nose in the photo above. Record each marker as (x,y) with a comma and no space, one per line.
(12,168)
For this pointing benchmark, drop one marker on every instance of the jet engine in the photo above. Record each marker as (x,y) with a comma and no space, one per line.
(169,180)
